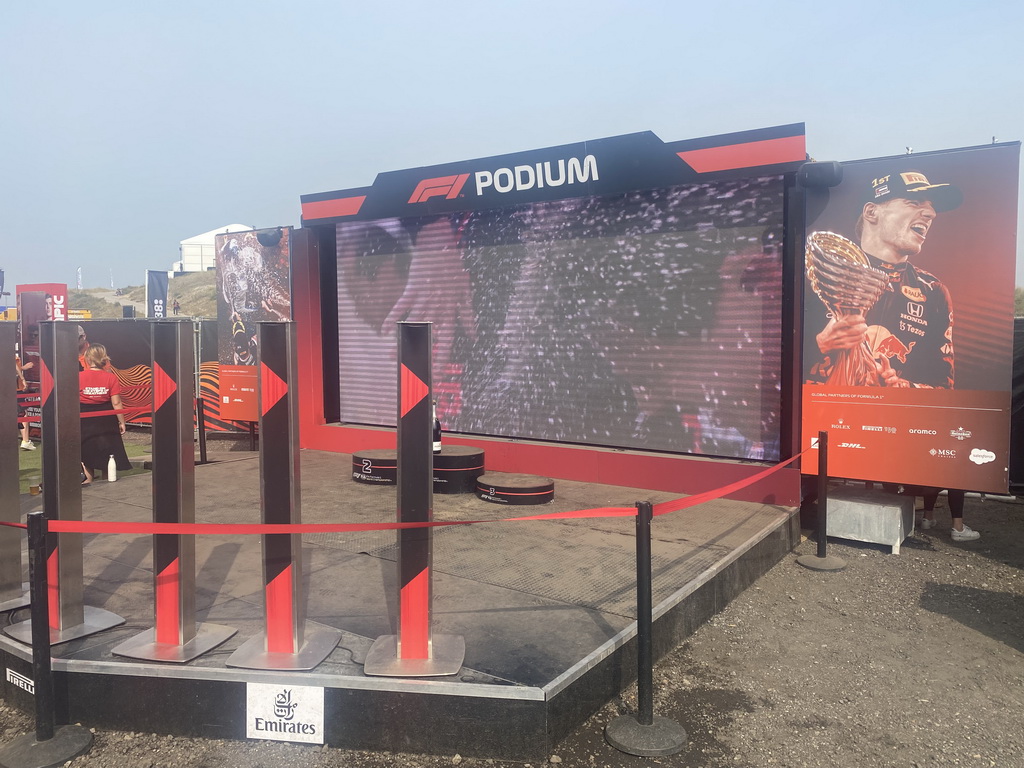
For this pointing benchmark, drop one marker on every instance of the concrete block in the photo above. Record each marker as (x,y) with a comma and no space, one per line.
(874,516)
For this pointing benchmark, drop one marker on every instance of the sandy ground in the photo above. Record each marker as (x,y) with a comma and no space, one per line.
(909,660)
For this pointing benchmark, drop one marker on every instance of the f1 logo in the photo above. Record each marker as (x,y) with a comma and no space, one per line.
(448,186)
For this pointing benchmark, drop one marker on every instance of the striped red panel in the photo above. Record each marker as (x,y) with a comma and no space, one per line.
(414,623)
(749,155)
(53,588)
(413,390)
(328,209)
(45,383)
(272,388)
(168,604)
(280,614)
(163,386)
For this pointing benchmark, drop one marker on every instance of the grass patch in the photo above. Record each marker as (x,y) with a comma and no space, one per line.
(30,464)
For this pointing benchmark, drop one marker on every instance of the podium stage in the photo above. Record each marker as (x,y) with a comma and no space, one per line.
(547,610)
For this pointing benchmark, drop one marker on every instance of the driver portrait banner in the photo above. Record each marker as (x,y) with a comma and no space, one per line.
(908,318)
(253,285)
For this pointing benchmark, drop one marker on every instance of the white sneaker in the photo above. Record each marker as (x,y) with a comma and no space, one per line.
(967,534)
(926,524)
(29,446)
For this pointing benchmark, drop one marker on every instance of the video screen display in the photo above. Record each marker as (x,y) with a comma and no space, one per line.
(649,320)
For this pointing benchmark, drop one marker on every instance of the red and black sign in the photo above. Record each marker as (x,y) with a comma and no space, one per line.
(62,492)
(279,486)
(415,489)
(598,167)
(173,480)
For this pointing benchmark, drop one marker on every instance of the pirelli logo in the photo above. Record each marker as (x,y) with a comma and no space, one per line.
(25,683)
(448,187)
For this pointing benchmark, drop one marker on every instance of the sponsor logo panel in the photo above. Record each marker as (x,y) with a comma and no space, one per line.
(284,713)
(20,681)
(910,425)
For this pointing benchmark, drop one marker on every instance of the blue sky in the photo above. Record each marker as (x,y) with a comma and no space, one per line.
(129,126)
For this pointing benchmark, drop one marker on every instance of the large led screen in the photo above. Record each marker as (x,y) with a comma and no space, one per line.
(649,320)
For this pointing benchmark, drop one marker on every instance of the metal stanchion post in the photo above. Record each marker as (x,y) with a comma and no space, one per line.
(645,734)
(49,745)
(201,421)
(415,651)
(13,592)
(41,671)
(288,642)
(822,561)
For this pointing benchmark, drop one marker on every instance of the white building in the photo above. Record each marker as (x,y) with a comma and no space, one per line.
(198,253)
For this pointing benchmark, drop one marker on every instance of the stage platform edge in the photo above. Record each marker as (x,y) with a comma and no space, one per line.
(475,713)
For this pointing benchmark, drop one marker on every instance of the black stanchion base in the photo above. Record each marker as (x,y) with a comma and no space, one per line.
(68,741)
(661,737)
(826,563)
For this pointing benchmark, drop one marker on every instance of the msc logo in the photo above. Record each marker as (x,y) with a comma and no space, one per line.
(448,186)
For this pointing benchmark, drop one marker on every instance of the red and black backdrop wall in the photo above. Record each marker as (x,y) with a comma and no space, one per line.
(609,311)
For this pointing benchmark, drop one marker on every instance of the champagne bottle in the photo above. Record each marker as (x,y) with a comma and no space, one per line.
(437,429)
(111,469)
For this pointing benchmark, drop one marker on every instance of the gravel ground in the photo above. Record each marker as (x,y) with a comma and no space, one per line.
(908,660)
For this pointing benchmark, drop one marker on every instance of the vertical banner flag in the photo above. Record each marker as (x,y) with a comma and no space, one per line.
(156,293)
(908,318)
(79,278)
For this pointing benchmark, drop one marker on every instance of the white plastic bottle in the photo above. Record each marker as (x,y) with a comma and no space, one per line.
(111,469)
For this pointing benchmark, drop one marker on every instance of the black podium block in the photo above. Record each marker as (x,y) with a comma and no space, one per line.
(376,466)
(515,489)
(456,469)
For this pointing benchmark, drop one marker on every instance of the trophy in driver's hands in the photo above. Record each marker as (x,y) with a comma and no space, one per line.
(847,284)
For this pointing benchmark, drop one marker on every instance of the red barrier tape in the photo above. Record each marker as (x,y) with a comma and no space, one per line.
(13,525)
(699,498)
(235,529)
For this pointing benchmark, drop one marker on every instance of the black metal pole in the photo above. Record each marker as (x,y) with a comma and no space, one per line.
(822,492)
(42,672)
(821,561)
(644,653)
(645,734)
(201,420)
(49,745)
